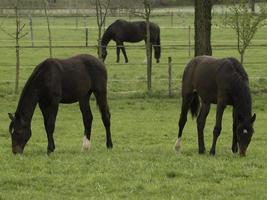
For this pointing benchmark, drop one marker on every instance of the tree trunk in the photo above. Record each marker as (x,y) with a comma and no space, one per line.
(203,27)
(17,50)
(252,5)
(48,28)
(17,68)
(148,46)
(99,43)
(149,57)
(242,57)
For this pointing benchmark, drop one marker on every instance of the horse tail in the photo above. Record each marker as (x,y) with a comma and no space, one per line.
(158,48)
(194,107)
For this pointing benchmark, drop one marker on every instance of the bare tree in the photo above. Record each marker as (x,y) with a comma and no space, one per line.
(147,7)
(145,14)
(246,24)
(101,13)
(203,27)
(45,4)
(17,36)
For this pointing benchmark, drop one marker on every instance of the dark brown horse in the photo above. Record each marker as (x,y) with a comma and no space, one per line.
(222,82)
(57,81)
(123,31)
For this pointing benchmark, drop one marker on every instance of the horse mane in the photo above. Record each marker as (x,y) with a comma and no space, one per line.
(106,36)
(27,85)
(241,93)
(238,67)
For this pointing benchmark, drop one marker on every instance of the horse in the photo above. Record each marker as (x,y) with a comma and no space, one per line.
(123,31)
(56,81)
(217,81)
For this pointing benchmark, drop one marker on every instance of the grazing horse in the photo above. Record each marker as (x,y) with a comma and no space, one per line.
(122,31)
(222,82)
(57,81)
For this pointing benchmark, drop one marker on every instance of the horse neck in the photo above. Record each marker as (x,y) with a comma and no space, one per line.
(242,101)
(106,38)
(27,103)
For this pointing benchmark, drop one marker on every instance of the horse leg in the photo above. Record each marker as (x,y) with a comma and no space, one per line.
(218,126)
(87,121)
(186,101)
(118,53)
(49,112)
(124,53)
(234,143)
(156,49)
(201,120)
(101,98)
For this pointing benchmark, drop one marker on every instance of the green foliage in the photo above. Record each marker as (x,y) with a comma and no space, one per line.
(246,24)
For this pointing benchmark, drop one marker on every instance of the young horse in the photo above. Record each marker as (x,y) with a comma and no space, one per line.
(222,82)
(57,81)
(122,31)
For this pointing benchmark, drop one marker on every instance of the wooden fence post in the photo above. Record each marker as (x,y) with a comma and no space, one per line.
(76,21)
(171,18)
(86,37)
(170,75)
(85,21)
(31,31)
(189,41)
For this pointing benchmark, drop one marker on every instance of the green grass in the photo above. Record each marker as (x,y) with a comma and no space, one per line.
(143,163)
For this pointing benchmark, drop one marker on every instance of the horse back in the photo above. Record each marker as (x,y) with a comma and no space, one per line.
(212,78)
(122,30)
(70,79)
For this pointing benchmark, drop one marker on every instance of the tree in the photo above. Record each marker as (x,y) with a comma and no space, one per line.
(203,27)
(17,36)
(246,24)
(145,14)
(45,4)
(101,13)
(147,7)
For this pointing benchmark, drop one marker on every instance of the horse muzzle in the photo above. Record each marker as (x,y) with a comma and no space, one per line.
(17,149)
(242,152)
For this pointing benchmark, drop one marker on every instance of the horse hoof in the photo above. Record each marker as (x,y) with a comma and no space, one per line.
(49,152)
(86,146)
(177,146)
(235,150)
(212,153)
(201,151)
(110,146)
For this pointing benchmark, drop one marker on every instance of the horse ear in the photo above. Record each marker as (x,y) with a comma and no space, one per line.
(253,118)
(11,116)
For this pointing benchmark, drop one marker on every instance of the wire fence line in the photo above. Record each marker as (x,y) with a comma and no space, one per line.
(137,80)
(166,46)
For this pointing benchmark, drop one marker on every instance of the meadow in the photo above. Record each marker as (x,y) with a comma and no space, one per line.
(143,163)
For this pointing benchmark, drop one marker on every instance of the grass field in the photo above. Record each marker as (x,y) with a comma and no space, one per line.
(143,163)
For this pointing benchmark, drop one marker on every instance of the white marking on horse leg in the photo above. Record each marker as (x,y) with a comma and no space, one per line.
(86,144)
(178,144)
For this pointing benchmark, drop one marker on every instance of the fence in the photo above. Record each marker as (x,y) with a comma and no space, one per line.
(124,79)
(129,79)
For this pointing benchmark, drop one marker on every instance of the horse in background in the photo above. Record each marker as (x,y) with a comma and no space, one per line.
(123,31)
(57,81)
(222,82)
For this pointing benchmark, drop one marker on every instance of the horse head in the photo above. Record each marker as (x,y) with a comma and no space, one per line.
(244,132)
(20,133)
(104,53)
